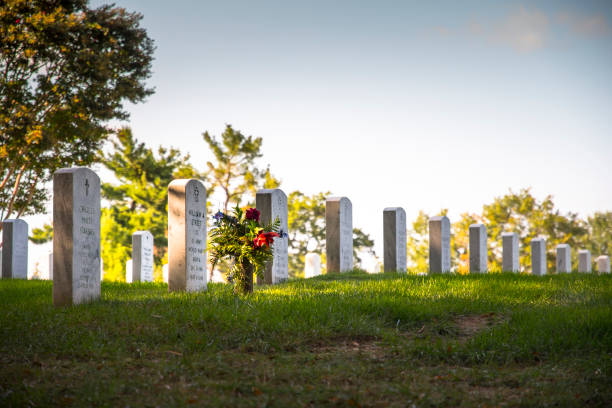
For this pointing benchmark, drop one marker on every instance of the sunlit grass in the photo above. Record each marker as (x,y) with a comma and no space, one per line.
(418,321)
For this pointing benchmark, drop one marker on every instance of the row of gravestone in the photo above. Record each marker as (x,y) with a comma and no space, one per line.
(439,251)
(76,240)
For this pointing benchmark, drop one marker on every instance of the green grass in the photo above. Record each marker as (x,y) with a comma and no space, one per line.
(348,340)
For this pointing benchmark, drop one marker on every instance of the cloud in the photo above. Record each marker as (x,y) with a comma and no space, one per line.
(524,30)
(585,25)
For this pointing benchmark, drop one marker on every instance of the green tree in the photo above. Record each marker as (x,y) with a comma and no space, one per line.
(514,212)
(234,170)
(306,222)
(599,233)
(139,201)
(65,71)
(522,213)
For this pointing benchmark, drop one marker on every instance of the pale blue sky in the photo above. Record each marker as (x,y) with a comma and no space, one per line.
(424,105)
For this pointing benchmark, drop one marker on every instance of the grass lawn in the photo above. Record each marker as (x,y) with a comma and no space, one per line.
(350,340)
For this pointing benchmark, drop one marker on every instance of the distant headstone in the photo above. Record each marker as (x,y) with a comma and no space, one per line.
(15,249)
(142,256)
(394,238)
(165,273)
(538,256)
(187,235)
(312,265)
(439,245)
(129,270)
(50,265)
(478,248)
(510,252)
(272,204)
(76,236)
(564,259)
(603,264)
(339,234)
(584,261)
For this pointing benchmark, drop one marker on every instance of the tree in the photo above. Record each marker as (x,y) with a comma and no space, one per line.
(234,170)
(600,233)
(139,201)
(514,212)
(65,71)
(306,222)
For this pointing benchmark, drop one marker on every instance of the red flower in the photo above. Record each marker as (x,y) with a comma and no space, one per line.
(252,214)
(264,239)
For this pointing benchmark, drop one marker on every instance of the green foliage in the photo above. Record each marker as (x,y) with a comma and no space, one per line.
(600,233)
(435,341)
(65,71)
(243,241)
(234,170)
(42,235)
(139,202)
(306,223)
(521,213)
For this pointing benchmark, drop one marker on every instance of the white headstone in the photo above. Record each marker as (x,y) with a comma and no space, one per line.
(478,248)
(50,265)
(312,265)
(510,252)
(165,273)
(129,271)
(15,249)
(439,245)
(142,256)
(76,236)
(272,204)
(564,259)
(603,264)
(339,234)
(394,239)
(538,256)
(187,235)
(584,261)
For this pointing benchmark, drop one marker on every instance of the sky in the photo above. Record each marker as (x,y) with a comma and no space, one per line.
(421,105)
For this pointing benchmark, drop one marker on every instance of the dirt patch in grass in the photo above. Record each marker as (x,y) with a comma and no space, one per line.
(470,325)
(370,346)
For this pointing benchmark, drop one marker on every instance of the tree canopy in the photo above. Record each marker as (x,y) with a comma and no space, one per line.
(65,71)
(139,201)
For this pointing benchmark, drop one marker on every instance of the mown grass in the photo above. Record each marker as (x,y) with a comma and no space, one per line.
(348,340)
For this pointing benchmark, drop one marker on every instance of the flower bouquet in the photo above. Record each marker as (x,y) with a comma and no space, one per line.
(241,239)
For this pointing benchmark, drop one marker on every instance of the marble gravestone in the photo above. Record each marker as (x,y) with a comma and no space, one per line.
(165,273)
(14,249)
(272,204)
(339,234)
(584,261)
(439,245)
(394,239)
(538,256)
(564,259)
(510,252)
(186,235)
(603,264)
(478,248)
(76,236)
(142,256)
(50,265)
(312,265)
(129,271)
